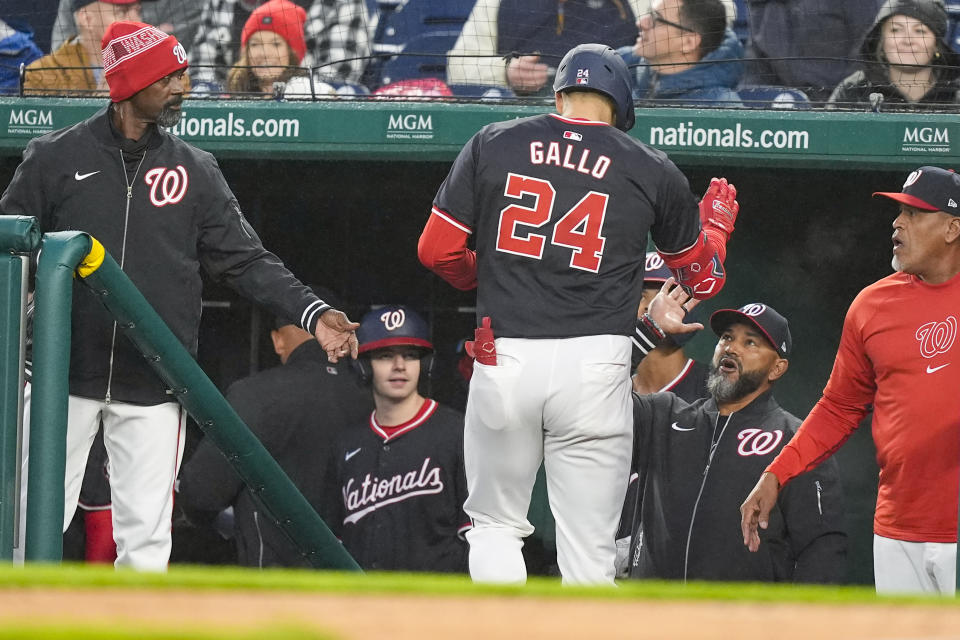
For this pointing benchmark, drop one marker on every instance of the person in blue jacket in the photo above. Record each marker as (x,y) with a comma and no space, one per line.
(686,54)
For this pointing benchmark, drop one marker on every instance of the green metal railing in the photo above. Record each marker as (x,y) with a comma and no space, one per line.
(64,253)
(18,236)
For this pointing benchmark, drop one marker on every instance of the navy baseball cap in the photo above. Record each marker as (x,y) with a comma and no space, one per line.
(929,189)
(655,270)
(393,325)
(764,317)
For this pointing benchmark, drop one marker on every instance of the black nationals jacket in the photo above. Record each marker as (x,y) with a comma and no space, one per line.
(163,211)
(699,466)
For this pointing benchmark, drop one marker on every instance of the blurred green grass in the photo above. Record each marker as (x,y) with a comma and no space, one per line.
(181,577)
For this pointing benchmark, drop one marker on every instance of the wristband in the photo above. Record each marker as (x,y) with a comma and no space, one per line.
(649,335)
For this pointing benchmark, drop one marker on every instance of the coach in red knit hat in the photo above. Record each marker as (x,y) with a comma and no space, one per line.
(135,55)
(165,213)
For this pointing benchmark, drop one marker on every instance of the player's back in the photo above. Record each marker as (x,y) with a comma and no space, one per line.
(560,210)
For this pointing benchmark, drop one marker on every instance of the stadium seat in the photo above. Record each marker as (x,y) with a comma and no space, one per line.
(953,32)
(423,56)
(773,97)
(398,22)
(741,24)
(416,17)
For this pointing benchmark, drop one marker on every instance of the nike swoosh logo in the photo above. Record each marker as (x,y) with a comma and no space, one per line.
(83,176)
(350,454)
(678,428)
(932,369)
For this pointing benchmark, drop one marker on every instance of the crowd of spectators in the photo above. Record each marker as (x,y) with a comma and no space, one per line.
(870,54)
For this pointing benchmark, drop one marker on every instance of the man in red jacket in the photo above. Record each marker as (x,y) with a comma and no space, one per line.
(897,355)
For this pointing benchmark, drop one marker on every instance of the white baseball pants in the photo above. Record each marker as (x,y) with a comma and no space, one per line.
(901,567)
(565,402)
(145,448)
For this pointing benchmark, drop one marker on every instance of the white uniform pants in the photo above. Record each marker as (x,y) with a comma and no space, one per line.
(145,447)
(914,567)
(565,402)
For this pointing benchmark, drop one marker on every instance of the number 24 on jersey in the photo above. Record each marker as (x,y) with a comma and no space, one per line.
(578,229)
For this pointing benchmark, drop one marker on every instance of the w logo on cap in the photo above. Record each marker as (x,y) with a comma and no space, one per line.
(180,53)
(913,177)
(753,310)
(393,320)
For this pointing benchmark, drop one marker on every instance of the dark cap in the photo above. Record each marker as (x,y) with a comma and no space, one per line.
(655,270)
(765,318)
(393,325)
(929,189)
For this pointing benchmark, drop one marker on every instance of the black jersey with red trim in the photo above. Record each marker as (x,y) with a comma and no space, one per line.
(401,492)
(691,383)
(560,210)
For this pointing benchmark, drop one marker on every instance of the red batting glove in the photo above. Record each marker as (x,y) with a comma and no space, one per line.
(482,347)
(719,207)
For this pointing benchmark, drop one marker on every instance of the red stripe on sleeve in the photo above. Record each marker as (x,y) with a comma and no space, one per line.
(443,250)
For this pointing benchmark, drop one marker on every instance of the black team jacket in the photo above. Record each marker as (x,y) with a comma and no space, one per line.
(698,467)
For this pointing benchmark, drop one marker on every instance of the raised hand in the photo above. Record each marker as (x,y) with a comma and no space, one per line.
(669,307)
(719,206)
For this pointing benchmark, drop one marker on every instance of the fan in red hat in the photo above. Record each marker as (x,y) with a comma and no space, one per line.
(272,47)
(144,66)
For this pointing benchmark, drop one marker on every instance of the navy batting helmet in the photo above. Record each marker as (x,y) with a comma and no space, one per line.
(599,68)
(393,325)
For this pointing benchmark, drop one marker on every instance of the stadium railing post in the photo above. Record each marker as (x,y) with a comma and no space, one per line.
(200,397)
(19,235)
(60,253)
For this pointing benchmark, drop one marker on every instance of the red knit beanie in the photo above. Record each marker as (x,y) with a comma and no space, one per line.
(283,18)
(135,55)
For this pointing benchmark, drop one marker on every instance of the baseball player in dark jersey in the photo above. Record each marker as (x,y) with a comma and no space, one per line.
(399,479)
(560,206)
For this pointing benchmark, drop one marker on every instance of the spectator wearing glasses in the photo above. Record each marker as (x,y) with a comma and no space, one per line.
(685,54)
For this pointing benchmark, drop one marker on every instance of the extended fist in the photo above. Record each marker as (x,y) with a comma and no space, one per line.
(719,206)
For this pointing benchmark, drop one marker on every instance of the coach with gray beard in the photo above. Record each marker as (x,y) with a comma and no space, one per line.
(695,461)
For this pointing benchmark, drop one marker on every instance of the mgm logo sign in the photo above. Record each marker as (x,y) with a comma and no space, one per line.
(926,140)
(410,126)
(30,121)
